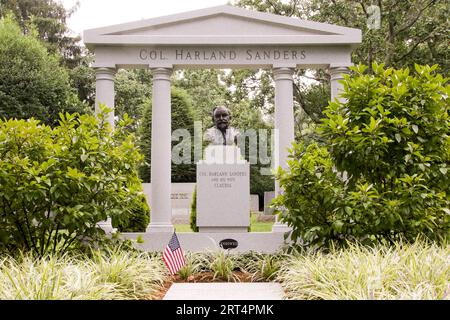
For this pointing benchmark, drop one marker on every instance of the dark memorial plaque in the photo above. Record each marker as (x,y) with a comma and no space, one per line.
(228,244)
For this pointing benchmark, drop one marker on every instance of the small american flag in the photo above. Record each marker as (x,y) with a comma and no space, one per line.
(173,255)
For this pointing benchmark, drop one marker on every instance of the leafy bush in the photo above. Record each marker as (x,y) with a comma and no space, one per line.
(32,84)
(391,142)
(312,191)
(138,218)
(57,184)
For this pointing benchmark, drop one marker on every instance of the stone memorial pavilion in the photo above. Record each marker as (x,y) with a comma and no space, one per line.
(218,37)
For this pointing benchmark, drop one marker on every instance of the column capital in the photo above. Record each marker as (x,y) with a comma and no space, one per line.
(337,72)
(161,73)
(283,73)
(103,73)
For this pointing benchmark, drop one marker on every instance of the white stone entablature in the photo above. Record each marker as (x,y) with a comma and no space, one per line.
(222,36)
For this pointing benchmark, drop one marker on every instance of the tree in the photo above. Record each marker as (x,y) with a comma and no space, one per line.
(32,84)
(394,123)
(410,31)
(205,88)
(82,78)
(250,120)
(182,118)
(133,91)
(49,19)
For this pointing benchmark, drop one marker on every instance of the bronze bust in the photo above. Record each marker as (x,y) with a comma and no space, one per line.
(221,133)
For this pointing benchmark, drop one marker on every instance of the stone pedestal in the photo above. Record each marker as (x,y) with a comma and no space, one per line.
(223,191)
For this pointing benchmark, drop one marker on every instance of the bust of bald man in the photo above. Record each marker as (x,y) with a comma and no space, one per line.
(221,133)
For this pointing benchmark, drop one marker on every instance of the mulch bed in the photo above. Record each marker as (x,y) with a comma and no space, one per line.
(238,276)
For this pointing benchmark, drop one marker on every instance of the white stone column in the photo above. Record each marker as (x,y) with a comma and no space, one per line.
(337,74)
(104,90)
(284,126)
(104,94)
(161,210)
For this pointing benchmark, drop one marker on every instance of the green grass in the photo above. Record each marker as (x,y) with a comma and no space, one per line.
(255,226)
(183,228)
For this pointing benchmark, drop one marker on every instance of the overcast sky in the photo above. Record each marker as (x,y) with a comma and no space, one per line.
(101,13)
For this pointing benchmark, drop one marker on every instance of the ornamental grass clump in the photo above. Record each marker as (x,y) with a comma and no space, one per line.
(133,275)
(403,271)
(223,266)
(191,267)
(261,266)
(49,278)
(116,274)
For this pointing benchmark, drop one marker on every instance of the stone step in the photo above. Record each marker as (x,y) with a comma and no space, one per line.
(225,291)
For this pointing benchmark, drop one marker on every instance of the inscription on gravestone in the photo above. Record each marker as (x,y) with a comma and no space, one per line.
(223,195)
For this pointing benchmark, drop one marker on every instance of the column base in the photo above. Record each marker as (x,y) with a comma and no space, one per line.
(160,227)
(281,227)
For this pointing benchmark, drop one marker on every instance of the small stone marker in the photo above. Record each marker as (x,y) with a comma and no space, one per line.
(254,203)
(268,196)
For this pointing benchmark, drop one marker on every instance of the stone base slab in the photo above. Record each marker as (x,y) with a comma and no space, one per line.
(225,291)
(160,228)
(222,229)
(265,242)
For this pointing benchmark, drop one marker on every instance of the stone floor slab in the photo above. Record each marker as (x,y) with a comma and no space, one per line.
(225,291)
(265,242)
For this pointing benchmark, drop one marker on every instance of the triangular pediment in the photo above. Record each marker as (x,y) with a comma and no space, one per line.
(222,25)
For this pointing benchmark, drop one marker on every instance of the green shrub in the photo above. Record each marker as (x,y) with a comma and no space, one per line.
(312,191)
(393,124)
(193,214)
(391,141)
(32,83)
(138,218)
(57,184)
